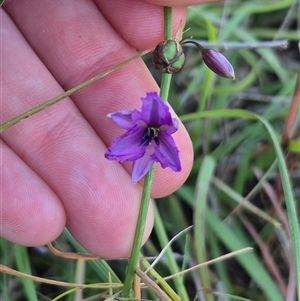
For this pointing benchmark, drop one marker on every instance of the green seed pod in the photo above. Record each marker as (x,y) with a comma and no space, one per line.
(168,57)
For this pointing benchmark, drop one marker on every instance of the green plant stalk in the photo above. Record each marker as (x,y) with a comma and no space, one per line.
(137,242)
(23,265)
(168,23)
(202,186)
(166,78)
(165,82)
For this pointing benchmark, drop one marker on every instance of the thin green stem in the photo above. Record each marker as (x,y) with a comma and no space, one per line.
(166,78)
(23,265)
(198,45)
(168,23)
(165,86)
(60,97)
(137,242)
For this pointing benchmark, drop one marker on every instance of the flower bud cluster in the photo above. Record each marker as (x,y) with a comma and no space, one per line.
(168,57)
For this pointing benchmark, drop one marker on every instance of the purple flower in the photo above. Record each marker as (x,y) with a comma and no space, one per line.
(218,63)
(148,137)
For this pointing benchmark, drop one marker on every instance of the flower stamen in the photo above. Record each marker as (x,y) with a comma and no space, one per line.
(150,134)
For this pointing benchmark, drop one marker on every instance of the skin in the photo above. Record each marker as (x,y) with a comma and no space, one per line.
(54,173)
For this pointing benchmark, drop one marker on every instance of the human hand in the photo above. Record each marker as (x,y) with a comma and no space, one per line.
(54,173)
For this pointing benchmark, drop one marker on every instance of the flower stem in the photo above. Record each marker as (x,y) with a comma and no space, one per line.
(165,86)
(137,242)
(166,78)
(168,23)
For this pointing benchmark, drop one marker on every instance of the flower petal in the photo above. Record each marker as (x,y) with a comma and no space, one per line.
(127,147)
(154,111)
(142,165)
(167,153)
(122,119)
(170,129)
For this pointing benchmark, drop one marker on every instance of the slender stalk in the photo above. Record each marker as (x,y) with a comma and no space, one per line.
(198,45)
(60,97)
(166,78)
(165,85)
(137,242)
(168,23)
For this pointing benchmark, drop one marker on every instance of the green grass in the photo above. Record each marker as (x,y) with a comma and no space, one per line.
(243,188)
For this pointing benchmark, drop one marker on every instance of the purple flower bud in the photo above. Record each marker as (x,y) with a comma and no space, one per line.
(218,63)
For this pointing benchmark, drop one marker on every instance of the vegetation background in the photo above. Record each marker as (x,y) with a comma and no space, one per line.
(234,196)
